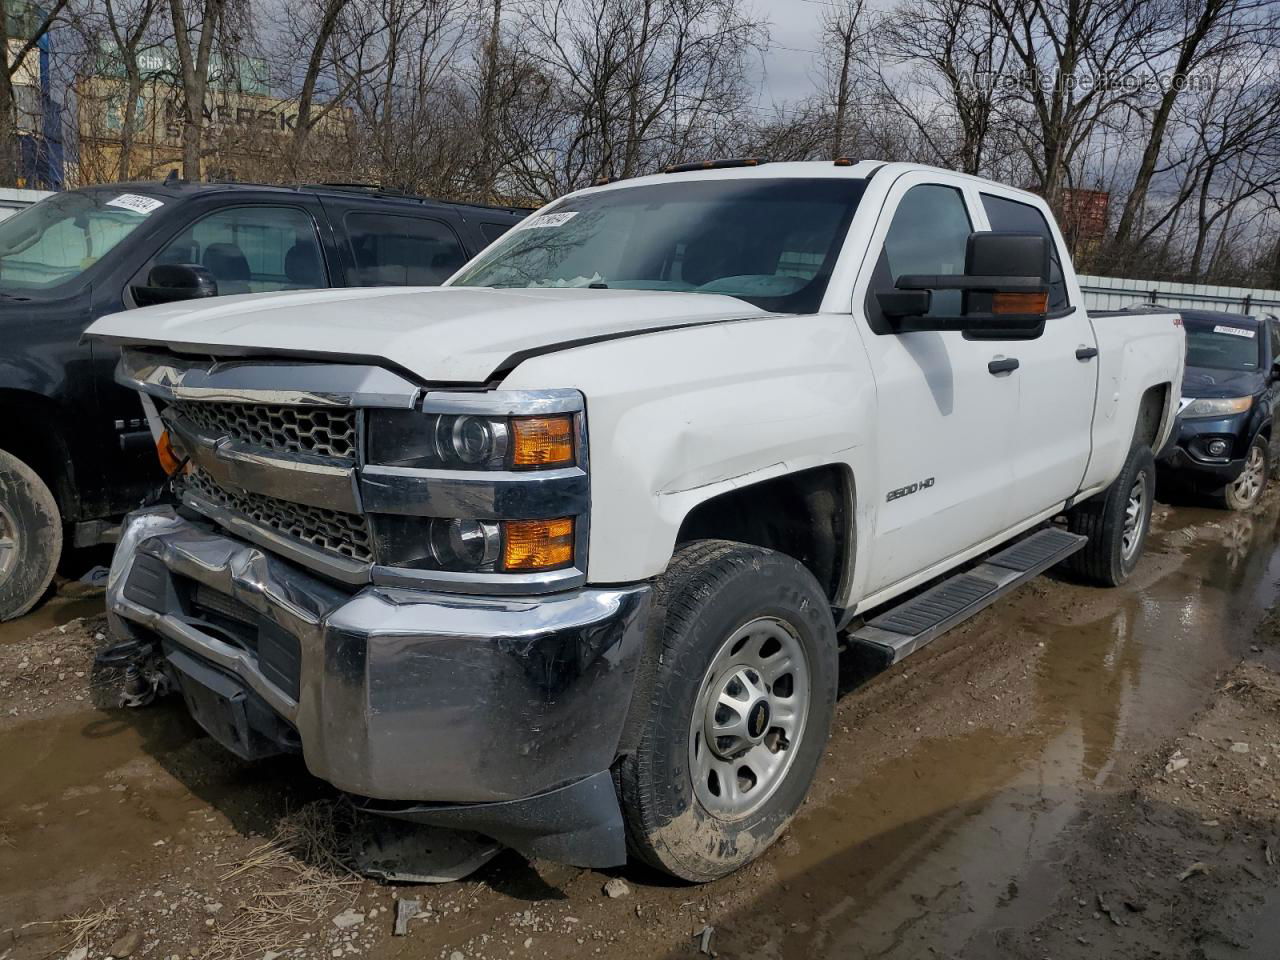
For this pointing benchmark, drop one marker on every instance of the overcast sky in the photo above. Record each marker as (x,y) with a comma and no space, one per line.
(790,68)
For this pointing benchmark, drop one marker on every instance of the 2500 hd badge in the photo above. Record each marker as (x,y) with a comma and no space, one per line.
(908,490)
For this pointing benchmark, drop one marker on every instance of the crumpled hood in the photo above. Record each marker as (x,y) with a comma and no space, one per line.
(1211,382)
(441,334)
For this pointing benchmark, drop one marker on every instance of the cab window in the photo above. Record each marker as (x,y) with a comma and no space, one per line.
(391,250)
(251,249)
(929,234)
(1012,216)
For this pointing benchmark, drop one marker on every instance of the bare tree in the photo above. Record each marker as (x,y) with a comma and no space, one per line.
(958,55)
(1074,60)
(130,24)
(207,23)
(843,33)
(639,83)
(37,23)
(1211,30)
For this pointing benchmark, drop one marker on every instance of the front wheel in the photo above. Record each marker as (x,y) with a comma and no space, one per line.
(1246,490)
(1116,522)
(30,537)
(743,691)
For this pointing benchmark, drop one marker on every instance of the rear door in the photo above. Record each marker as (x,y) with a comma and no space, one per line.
(393,245)
(1057,374)
(946,416)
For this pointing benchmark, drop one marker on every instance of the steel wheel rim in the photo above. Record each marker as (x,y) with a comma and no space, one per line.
(8,543)
(1134,517)
(749,718)
(1248,485)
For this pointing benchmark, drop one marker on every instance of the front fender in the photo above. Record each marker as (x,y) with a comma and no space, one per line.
(677,418)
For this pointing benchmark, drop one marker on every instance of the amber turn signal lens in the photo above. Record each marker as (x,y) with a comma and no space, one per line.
(542,441)
(1020,302)
(170,462)
(537,544)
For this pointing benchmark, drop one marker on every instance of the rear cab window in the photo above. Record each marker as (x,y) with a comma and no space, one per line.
(391,249)
(1015,217)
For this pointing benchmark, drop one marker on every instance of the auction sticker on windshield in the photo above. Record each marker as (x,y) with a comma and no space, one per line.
(1234,331)
(550,220)
(136,202)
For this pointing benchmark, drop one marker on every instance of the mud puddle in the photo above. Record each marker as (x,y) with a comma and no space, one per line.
(956,839)
(57,612)
(954,787)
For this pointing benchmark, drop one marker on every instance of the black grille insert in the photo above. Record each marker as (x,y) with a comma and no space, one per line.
(326,431)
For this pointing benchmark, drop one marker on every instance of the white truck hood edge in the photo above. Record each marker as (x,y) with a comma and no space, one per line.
(441,334)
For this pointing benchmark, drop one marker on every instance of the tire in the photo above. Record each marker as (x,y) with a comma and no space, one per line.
(30,537)
(1247,489)
(733,612)
(1106,560)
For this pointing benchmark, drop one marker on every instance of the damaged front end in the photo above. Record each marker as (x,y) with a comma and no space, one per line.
(314,591)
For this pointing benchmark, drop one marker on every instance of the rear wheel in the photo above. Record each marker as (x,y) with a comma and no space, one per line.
(1247,489)
(30,537)
(743,692)
(1116,522)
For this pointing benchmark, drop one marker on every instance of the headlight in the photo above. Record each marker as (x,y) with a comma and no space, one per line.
(406,438)
(475,546)
(1217,406)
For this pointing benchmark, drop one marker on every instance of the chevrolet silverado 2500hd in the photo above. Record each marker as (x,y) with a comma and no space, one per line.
(559,552)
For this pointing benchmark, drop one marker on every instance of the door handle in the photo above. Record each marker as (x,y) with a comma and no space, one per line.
(1086,353)
(1003,365)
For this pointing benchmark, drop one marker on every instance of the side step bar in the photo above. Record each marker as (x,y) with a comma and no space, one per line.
(906,628)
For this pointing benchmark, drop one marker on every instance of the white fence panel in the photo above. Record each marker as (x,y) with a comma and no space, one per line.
(1116,293)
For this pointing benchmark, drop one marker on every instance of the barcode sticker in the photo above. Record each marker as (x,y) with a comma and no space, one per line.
(1234,331)
(550,220)
(136,202)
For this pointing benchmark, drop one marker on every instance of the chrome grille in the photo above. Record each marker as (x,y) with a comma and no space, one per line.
(346,534)
(327,431)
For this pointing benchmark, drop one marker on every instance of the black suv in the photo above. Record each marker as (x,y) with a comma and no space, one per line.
(75,452)
(1223,443)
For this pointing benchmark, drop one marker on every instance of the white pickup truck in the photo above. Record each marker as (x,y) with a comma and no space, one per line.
(559,552)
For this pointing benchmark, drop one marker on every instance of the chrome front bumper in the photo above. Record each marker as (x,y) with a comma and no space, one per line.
(395,694)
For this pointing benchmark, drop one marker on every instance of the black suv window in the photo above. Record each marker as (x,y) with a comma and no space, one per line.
(930,234)
(392,250)
(1018,217)
(492,231)
(252,249)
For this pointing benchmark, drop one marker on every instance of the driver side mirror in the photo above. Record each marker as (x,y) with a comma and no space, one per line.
(1004,290)
(171,282)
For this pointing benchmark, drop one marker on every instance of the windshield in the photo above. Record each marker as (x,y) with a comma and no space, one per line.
(772,243)
(1223,346)
(62,236)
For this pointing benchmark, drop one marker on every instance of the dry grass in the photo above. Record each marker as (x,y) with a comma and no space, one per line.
(80,927)
(297,877)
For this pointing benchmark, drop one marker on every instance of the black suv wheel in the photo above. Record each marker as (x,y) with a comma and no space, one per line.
(30,537)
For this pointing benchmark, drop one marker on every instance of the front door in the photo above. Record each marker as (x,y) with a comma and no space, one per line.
(1058,379)
(946,408)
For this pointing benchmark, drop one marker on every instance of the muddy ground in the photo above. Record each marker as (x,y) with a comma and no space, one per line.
(1074,773)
